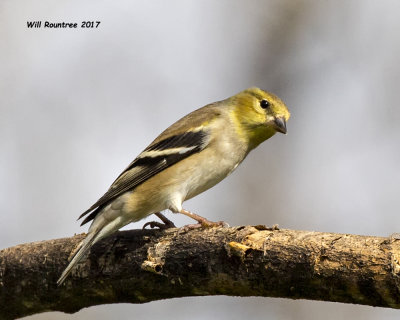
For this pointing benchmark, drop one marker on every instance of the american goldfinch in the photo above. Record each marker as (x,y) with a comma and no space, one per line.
(189,157)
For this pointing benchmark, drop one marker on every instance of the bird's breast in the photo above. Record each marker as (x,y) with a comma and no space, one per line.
(209,168)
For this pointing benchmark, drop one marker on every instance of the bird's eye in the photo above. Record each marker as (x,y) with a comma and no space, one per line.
(264,104)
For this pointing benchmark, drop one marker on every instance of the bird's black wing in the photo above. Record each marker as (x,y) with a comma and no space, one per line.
(160,155)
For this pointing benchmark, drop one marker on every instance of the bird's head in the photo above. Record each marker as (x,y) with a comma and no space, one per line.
(259,115)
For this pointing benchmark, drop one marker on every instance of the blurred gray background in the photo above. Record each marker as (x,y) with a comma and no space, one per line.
(76,106)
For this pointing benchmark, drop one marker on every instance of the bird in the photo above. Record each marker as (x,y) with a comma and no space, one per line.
(188,158)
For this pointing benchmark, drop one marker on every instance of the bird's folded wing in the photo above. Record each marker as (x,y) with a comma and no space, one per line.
(160,155)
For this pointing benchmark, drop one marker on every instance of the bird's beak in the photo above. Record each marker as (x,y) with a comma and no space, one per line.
(280,125)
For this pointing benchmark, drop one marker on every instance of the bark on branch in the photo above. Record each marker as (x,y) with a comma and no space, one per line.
(139,266)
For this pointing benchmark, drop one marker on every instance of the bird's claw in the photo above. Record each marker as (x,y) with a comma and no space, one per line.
(204,224)
(212,224)
(160,225)
(152,225)
(166,223)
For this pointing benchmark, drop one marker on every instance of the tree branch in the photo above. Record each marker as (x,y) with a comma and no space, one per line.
(139,266)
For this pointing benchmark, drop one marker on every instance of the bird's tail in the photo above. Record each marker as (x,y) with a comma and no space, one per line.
(83,250)
(100,228)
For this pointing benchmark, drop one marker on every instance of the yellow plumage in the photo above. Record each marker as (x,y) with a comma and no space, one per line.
(189,157)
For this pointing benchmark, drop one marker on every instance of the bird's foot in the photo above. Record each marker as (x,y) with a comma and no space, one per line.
(155,224)
(202,222)
(211,224)
(165,224)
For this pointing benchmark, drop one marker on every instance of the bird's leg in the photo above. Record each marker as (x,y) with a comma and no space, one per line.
(165,225)
(164,219)
(202,222)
